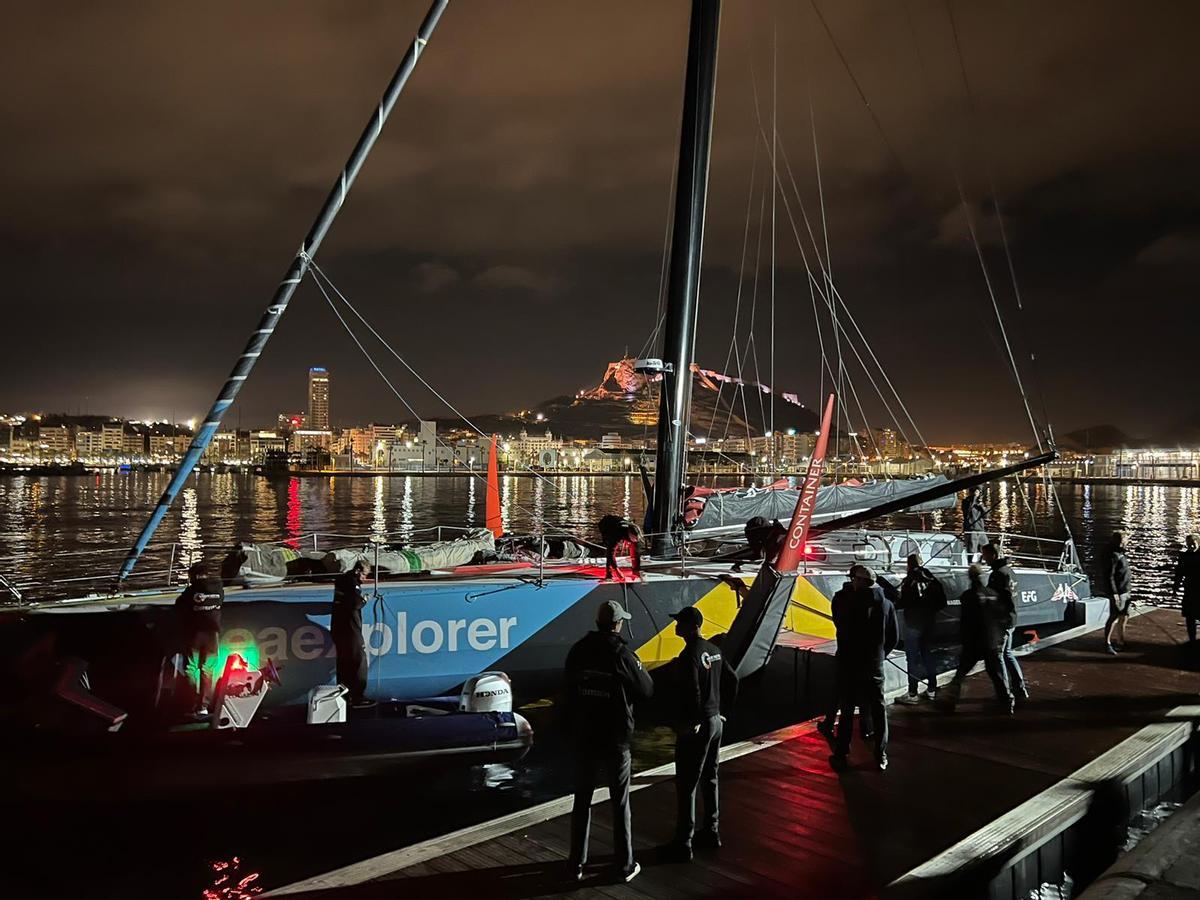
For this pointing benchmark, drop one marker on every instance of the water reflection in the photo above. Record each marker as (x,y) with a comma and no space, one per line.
(406,510)
(295,523)
(191,543)
(470,502)
(378,520)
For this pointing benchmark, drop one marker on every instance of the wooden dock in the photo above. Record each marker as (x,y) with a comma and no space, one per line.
(792,827)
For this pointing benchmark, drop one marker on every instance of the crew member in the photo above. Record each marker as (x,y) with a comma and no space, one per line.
(603,679)
(346,626)
(198,610)
(983,623)
(699,670)
(974,524)
(921,598)
(616,534)
(867,632)
(1002,582)
(1187,576)
(1118,582)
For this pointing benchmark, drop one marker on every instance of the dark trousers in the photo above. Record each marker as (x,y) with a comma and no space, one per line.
(865,689)
(203,650)
(590,757)
(696,758)
(835,700)
(351,661)
(993,662)
(1191,628)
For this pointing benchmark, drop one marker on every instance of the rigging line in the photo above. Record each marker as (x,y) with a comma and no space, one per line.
(321,274)
(399,396)
(774,190)
(858,87)
(996,306)
(972,121)
(737,308)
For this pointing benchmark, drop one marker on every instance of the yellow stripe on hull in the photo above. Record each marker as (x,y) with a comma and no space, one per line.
(808,613)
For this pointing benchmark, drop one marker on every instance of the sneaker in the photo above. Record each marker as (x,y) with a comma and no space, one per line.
(575,871)
(1112,650)
(908,700)
(627,875)
(882,762)
(931,695)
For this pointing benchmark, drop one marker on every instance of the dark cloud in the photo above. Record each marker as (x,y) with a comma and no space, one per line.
(162,161)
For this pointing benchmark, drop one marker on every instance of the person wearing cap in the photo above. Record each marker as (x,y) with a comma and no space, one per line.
(698,669)
(867,631)
(198,613)
(603,679)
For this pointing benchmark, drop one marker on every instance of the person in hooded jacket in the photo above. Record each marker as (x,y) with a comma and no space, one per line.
(198,611)
(1002,583)
(974,524)
(920,600)
(983,621)
(700,670)
(1187,576)
(1117,579)
(346,629)
(603,678)
(867,631)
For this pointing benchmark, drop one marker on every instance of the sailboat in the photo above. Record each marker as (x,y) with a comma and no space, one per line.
(430,632)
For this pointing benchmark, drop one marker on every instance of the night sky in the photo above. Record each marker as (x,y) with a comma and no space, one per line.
(161,163)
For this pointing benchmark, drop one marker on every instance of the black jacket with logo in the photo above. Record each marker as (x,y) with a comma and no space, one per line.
(921,598)
(198,608)
(1002,581)
(700,670)
(603,679)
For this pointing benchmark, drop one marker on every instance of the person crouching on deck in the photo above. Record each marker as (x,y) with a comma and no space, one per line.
(619,534)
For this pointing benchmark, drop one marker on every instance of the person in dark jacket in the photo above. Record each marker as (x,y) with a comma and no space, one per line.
(346,627)
(983,623)
(198,611)
(699,671)
(867,632)
(1187,576)
(603,679)
(921,598)
(974,524)
(1002,583)
(1118,581)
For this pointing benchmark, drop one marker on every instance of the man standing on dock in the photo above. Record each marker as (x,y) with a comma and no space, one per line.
(921,599)
(1001,582)
(867,632)
(1118,581)
(698,669)
(603,679)
(346,626)
(1187,576)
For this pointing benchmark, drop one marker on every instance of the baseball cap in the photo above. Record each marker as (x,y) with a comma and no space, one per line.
(689,615)
(611,611)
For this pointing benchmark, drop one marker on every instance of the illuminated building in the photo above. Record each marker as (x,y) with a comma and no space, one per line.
(318,399)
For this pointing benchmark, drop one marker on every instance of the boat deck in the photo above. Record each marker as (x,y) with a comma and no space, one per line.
(793,827)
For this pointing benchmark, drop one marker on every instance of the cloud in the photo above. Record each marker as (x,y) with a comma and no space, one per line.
(519,278)
(1176,247)
(435,276)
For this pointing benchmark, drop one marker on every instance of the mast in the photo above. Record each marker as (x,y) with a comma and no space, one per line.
(287,287)
(683,286)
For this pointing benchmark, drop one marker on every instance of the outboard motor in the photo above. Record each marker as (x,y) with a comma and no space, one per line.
(487,692)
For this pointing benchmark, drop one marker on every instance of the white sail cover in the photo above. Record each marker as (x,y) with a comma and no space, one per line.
(730,509)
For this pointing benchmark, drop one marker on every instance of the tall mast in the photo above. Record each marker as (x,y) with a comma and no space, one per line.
(287,287)
(683,286)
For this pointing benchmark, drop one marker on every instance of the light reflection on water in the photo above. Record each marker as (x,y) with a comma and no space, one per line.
(43,518)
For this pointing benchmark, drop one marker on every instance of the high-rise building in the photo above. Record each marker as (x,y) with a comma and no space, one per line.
(318,399)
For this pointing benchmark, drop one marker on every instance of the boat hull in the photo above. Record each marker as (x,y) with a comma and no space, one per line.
(425,638)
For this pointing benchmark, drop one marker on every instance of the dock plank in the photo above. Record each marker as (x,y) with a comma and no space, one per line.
(791,826)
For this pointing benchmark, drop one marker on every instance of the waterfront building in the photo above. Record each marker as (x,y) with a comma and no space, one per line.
(88,444)
(133,441)
(263,444)
(318,399)
(55,441)
(112,438)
